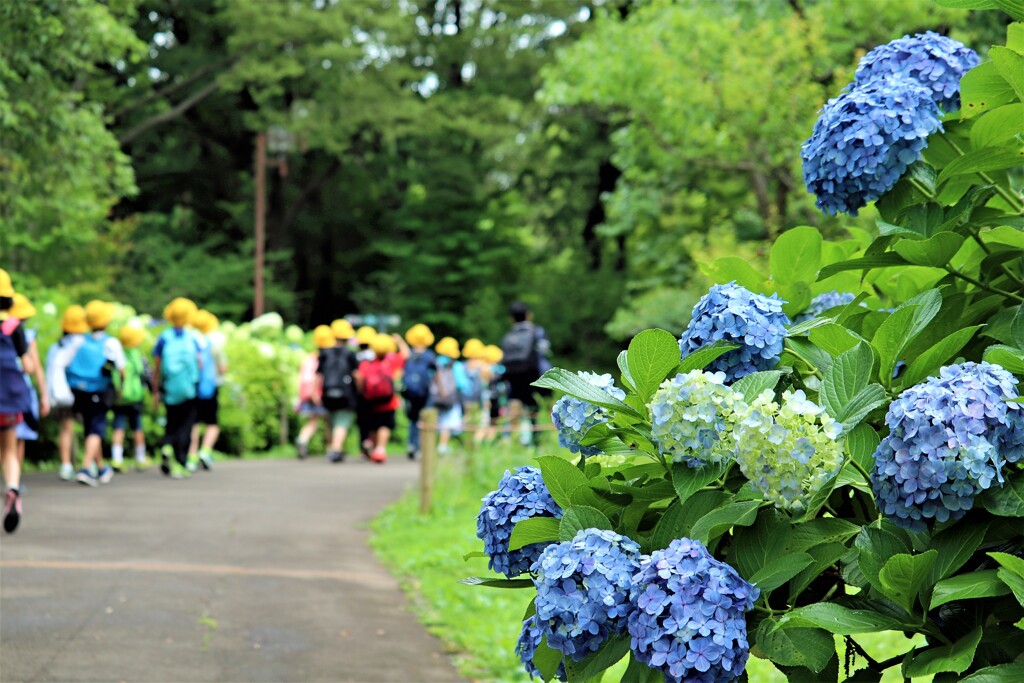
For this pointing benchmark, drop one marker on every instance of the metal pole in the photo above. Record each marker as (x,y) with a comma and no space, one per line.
(261,191)
(428,451)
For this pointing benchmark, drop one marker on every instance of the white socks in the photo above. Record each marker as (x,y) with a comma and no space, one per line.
(117,454)
(140,453)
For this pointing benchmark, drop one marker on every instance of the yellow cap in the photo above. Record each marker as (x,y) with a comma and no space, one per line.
(99,314)
(323,337)
(419,335)
(22,308)
(131,336)
(6,288)
(448,347)
(342,329)
(365,334)
(73,321)
(382,345)
(493,354)
(204,321)
(473,348)
(180,311)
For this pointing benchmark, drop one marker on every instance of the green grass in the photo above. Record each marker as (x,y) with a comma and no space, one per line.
(480,625)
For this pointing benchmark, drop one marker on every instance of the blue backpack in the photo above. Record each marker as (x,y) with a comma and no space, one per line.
(179,367)
(417,374)
(85,372)
(208,374)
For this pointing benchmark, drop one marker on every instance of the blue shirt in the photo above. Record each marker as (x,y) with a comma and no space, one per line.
(158,350)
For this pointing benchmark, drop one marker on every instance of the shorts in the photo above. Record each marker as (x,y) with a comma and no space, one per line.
(93,408)
(520,389)
(129,416)
(207,410)
(342,419)
(310,409)
(375,421)
(8,420)
(450,420)
(63,413)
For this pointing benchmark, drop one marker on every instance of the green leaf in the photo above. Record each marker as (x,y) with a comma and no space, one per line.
(533,530)
(574,385)
(1001,673)
(808,647)
(688,480)
(874,547)
(1015,36)
(935,251)
(1010,358)
(932,359)
(780,570)
(1008,500)
(1015,8)
(861,443)
(956,657)
(982,89)
(796,295)
(590,666)
(638,672)
(824,556)
(699,359)
(982,160)
(715,523)
(866,400)
(887,260)
(579,517)
(967,4)
(821,530)
(839,620)
(796,255)
(955,546)
(561,478)
(902,577)
(751,386)
(848,375)
(496,583)
(473,555)
(834,338)
(755,546)
(623,362)
(652,355)
(546,659)
(896,332)
(730,268)
(998,126)
(978,584)
(1010,66)
(1017,328)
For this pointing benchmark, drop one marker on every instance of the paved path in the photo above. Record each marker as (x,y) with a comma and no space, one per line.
(257,571)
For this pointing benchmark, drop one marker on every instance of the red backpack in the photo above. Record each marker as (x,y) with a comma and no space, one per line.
(378,385)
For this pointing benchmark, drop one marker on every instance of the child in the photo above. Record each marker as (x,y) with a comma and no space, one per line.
(475,366)
(416,378)
(213,367)
(376,383)
(95,358)
(343,331)
(493,394)
(450,383)
(336,386)
(131,392)
(310,397)
(364,335)
(176,369)
(62,401)
(28,430)
(14,400)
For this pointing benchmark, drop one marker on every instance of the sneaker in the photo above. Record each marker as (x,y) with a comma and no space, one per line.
(118,467)
(192,463)
(379,456)
(166,455)
(12,510)
(67,472)
(179,471)
(143,465)
(412,453)
(206,460)
(336,457)
(165,468)
(84,477)
(105,475)
(302,450)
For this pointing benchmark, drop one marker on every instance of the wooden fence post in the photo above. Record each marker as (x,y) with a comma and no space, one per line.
(428,453)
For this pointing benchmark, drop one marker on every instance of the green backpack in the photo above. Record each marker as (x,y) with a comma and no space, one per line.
(132,387)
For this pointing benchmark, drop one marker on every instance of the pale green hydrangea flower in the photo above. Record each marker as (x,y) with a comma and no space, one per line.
(692,418)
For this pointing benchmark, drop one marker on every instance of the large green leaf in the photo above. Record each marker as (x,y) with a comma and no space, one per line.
(982,89)
(808,647)
(751,386)
(730,268)
(903,576)
(1010,66)
(821,530)
(1001,673)
(979,584)
(955,546)
(1008,357)
(934,252)
(590,666)
(1008,500)
(861,443)
(796,255)
(887,260)
(492,582)
(562,478)
(998,126)
(825,556)
(843,621)
(866,400)
(956,657)
(688,480)
(756,545)
(834,338)
(533,530)
(699,359)
(983,160)
(715,523)
(574,385)
(932,359)
(652,355)
(580,517)
(874,547)
(848,375)
(779,570)
(546,659)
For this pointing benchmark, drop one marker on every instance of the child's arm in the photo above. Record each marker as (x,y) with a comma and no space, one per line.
(403,348)
(37,372)
(156,382)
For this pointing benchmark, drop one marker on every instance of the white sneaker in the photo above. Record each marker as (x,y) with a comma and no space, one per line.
(67,472)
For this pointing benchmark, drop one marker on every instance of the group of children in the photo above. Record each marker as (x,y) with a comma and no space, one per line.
(357,378)
(91,374)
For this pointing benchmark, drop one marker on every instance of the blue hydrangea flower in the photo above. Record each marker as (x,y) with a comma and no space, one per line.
(929,59)
(521,494)
(573,417)
(864,141)
(689,615)
(692,416)
(583,590)
(526,648)
(733,313)
(790,450)
(824,302)
(949,439)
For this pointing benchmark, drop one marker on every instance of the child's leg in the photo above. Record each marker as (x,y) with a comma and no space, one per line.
(308,429)
(9,458)
(21,453)
(66,439)
(210,437)
(193,445)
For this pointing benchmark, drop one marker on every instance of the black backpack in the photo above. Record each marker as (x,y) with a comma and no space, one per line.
(336,368)
(520,350)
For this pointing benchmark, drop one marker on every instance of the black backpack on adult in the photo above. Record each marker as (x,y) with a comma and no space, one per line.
(336,366)
(519,349)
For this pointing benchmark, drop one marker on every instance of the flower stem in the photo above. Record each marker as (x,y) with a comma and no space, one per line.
(1012,198)
(980,285)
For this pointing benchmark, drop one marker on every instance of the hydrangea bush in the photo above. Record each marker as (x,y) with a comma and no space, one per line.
(756,487)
